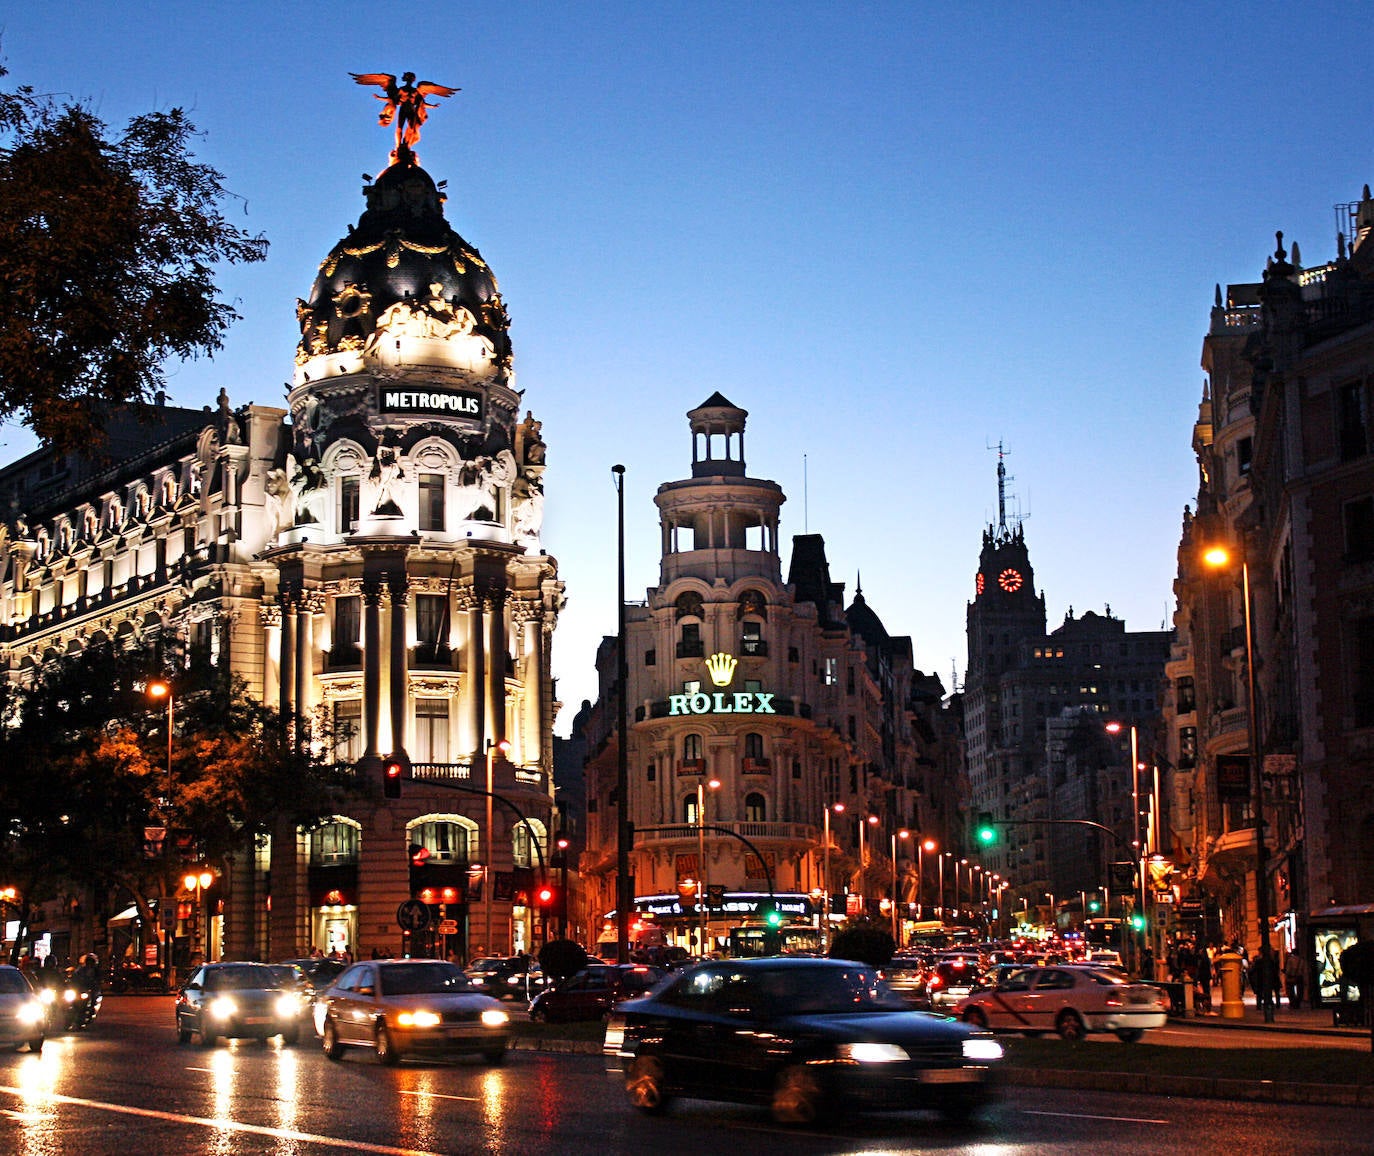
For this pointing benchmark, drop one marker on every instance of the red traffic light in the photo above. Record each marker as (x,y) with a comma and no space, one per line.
(544,896)
(393,770)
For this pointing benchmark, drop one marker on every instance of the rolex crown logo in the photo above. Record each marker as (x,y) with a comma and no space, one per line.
(721,667)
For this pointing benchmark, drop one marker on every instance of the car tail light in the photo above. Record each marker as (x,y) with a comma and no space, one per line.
(936,981)
(1113,1001)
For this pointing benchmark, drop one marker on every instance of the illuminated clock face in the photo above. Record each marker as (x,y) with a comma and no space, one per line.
(980,583)
(1010,580)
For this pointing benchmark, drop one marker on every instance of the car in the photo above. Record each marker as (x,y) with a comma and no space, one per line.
(403,1007)
(591,993)
(318,972)
(906,976)
(517,977)
(807,1038)
(240,1000)
(1070,999)
(950,980)
(23,1016)
(1104,957)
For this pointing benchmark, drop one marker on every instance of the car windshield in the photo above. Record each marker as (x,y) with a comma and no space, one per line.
(820,990)
(13,983)
(240,979)
(423,979)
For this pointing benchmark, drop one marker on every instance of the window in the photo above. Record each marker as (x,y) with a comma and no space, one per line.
(691,748)
(689,809)
(522,842)
(650,657)
(849,680)
(755,808)
(430,744)
(650,773)
(1187,695)
(447,841)
(1187,747)
(751,639)
(793,654)
(1358,516)
(1245,452)
(796,768)
(348,504)
(753,746)
(431,628)
(348,730)
(1362,680)
(689,642)
(1351,424)
(432,501)
(333,844)
(345,641)
(832,672)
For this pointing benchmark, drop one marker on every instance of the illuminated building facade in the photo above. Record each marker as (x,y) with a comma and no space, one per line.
(754,706)
(368,558)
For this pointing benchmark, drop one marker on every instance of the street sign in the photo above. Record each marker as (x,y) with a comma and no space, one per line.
(1164,897)
(448,927)
(412,915)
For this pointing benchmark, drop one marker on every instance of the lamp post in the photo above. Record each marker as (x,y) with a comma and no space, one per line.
(944,855)
(702,910)
(161,689)
(838,808)
(492,749)
(197,881)
(1116,728)
(624,890)
(896,919)
(1218,557)
(922,847)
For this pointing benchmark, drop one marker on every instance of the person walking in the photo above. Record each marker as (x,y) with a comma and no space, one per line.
(1294,977)
(1264,978)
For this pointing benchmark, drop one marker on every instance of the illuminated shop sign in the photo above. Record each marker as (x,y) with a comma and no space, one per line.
(738,903)
(721,667)
(450,402)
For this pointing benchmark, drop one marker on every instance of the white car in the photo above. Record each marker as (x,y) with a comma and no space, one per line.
(23,1018)
(1071,999)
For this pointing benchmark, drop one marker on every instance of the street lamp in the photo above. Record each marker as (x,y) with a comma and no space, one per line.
(713,784)
(921,848)
(1054,920)
(944,855)
(1218,557)
(1116,728)
(493,749)
(197,881)
(162,689)
(961,863)
(896,921)
(838,808)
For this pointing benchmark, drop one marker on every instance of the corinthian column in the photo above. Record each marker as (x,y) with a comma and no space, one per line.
(372,664)
(398,585)
(286,661)
(496,665)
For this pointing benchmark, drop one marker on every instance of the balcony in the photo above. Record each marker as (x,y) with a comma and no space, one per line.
(758,766)
(792,832)
(753,647)
(692,767)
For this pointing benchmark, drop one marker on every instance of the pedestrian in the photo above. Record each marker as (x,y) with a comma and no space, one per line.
(1264,978)
(1294,977)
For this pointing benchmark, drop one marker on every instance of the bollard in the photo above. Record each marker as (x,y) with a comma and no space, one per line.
(1232,996)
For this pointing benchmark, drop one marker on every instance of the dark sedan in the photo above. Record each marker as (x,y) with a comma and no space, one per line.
(806,1037)
(591,993)
(240,999)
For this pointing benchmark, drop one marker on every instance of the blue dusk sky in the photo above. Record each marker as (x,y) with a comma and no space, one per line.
(897,234)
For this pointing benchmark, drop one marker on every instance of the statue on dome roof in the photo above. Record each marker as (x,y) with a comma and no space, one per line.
(405,104)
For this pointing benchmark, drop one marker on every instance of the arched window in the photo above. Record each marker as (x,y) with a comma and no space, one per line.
(689,809)
(755,808)
(334,843)
(522,844)
(447,838)
(689,643)
(691,748)
(753,745)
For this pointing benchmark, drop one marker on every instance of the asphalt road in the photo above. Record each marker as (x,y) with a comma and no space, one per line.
(126,1087)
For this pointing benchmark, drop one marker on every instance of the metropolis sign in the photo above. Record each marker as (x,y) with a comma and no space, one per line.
(448,402)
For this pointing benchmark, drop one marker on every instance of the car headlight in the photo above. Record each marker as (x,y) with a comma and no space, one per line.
(69,995)
(873,1053)
(982,1048)
(288,1006)
(223,1008)
(47,995)
(32,1012)
(419,1019)
(495,1018)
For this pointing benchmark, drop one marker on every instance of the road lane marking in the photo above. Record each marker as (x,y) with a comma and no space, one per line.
(220,1125)
(442,1096)
(1087,1116)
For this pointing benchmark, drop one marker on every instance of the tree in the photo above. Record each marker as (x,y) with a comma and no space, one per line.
(106,251)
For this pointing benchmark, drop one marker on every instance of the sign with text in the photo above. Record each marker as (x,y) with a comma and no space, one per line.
(464,403)
(1233,777)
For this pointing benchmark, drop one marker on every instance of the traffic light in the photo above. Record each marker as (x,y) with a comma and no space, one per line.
(987,829)
(1138,921)
(391,778)
(1094,906)
(544,896)
(773,918)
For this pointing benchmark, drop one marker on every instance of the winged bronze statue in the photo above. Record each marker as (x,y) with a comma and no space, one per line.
(405,104)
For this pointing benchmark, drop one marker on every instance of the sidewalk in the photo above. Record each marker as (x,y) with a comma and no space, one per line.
(1306,1019)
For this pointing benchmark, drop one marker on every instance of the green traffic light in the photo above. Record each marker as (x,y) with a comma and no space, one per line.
(1094,906)
(773,919)
(1138,921)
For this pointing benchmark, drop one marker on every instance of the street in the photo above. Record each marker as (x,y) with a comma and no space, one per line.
(127,1086)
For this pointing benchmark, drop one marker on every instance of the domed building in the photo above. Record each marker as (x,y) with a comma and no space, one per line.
(369,559)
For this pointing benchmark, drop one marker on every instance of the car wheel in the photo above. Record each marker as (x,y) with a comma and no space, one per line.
(797,1096)
(975,1016)
(292,1038)
(208,1039)
(183,1035)
(1069,1025)
(646,1085)
(36,1045)
(386,1047)
(332,1048)
(1130,1035)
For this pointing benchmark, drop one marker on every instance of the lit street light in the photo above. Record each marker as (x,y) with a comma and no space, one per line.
(1219,557)
(197,882)
(838,808)
(705,915)
(896,919)
(492,750)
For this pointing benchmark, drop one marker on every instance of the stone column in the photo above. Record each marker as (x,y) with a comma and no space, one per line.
(271,667)
(372,665)
(531,617)
(286,662)
(398,586)
(496,665)
(474,684)
(309,605)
